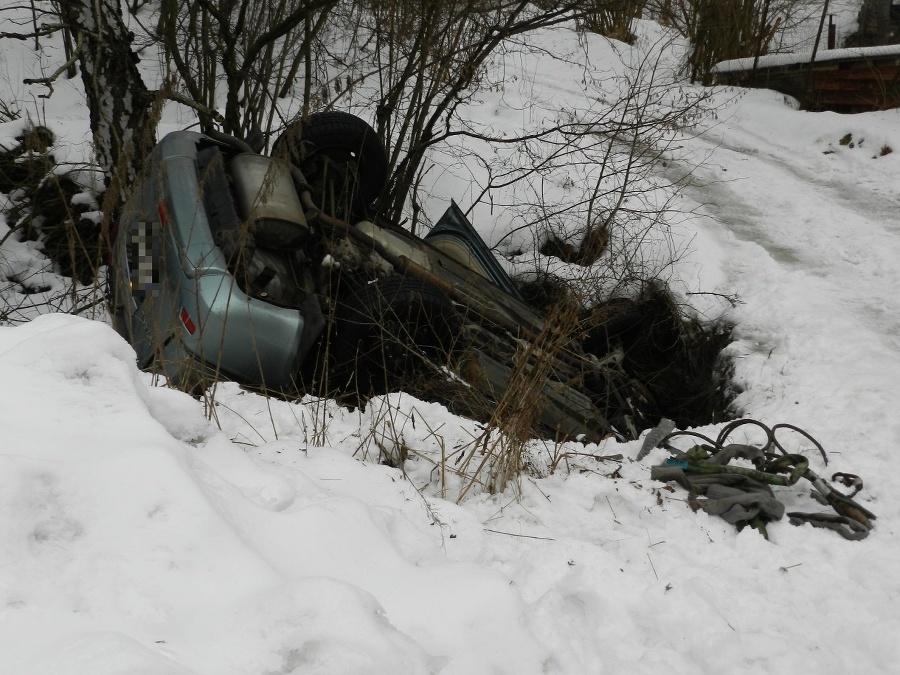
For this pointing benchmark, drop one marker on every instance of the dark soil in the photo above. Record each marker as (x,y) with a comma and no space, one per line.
(679,360)
(42,207)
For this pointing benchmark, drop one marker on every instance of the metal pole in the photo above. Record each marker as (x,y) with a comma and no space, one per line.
(762,28)
(819,33)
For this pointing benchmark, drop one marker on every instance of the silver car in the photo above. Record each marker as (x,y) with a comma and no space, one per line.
(265,270)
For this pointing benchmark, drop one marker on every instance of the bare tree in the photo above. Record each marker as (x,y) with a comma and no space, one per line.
(875,24)
(430,57)
(614,18)
(728,29)
(604,229)
(119,102)
(246,54)
(412,64)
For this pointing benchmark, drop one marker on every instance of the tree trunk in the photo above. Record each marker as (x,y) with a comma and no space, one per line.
(874,23)
(122,123)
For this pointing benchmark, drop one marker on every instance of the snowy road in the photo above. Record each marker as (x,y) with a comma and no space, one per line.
(811,233)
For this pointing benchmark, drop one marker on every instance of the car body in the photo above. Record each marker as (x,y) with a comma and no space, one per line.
(223,266)
(171,278)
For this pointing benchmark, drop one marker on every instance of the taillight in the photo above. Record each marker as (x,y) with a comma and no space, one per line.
(187,321)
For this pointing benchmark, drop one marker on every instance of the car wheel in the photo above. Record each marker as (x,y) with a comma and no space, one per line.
(391,334)
(340,156)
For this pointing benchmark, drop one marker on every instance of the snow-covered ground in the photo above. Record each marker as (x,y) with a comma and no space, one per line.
(143,531)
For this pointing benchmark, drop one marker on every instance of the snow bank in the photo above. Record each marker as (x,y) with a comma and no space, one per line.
(137,538)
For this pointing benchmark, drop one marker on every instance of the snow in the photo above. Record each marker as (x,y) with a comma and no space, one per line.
(145,531)
(799,58)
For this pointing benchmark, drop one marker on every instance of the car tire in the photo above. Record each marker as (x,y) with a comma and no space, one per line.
(390,335)
(337,138)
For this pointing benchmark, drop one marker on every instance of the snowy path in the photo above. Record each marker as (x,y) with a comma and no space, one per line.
(812,252)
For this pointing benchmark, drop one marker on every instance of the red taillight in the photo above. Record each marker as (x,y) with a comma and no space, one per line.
(163,208)
(188,323)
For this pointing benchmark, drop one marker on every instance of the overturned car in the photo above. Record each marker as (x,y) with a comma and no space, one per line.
(265,270)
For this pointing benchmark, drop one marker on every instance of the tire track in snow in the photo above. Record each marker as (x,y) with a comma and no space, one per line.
(828,229)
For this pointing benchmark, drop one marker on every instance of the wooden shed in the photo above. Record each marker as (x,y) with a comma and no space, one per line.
(855,79)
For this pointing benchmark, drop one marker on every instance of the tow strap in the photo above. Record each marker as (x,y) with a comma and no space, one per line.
(743,495)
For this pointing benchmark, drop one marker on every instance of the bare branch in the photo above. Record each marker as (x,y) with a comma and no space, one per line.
(69,64)
(177,97)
